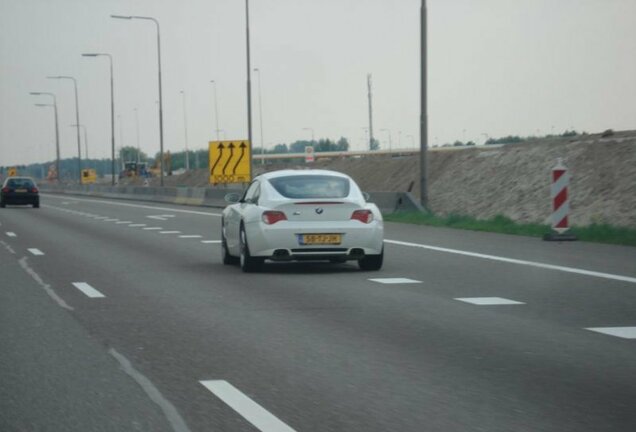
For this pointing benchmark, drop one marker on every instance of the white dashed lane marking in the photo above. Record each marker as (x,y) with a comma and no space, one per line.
(153,228)
(11,234)
(136,225)
(36,252)
(210,241)
(395,281)
(123,222)
(621,332)
(488,301)
(111,220)
(88,290)
(190,236)
(262,419)
(169,232)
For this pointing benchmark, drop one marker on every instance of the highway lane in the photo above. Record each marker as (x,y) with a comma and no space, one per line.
(323,347)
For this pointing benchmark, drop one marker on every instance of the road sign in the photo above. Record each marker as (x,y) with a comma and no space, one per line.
(12,172)
(89,176)
(309,154)
(230,161)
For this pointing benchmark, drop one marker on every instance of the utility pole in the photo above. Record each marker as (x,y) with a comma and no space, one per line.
(423,111)
(370,112)
(249,84)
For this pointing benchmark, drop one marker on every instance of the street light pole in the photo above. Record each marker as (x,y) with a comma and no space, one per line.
(138,146)
(77,121)
(160,95)
(423,108)
(112,110)
(216,111)
(85,140)
(260,115)
(57,132)
(185,128)
(249,83)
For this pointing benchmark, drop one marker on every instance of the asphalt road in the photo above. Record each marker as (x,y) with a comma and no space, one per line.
(117,315)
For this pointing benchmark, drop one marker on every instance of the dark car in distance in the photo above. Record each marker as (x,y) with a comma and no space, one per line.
(20,191)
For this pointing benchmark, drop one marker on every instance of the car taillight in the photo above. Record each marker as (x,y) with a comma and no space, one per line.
(34,190)
(364,216)
(6,190)
(271,217)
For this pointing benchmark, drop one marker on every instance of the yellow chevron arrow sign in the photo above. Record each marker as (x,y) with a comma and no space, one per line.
(230,161)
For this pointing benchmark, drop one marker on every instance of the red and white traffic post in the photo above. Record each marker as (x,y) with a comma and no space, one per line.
(560,203)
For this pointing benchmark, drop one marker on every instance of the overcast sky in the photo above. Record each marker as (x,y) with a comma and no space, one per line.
(497,67)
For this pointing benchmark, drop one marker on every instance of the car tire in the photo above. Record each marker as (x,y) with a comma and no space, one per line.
(36,204)
(2,205)
(225,253)
(248,263)
(372,262)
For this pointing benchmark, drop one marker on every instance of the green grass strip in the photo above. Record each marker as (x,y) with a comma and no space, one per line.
(597,233)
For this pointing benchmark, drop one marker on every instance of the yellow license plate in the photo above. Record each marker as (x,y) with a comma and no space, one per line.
(321,239)
(20,190)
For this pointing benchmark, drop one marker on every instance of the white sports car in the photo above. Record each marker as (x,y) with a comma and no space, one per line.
(294,215)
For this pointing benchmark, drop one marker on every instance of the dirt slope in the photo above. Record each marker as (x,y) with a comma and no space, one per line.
(513,180)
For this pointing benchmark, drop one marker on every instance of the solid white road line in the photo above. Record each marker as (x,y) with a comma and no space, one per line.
(517,261)
(210,241)
(262,419)
(35,251)
(139,206)
(153,228)
(488,301)
(190,236)
(169,232)
(395,281)
(11,234)
(88,290)
(621,332)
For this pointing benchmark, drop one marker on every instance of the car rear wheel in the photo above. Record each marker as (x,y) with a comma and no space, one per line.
(36,204)
(248,263)
(372,262)
(2,205)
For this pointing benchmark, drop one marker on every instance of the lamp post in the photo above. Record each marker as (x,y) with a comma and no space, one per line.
(130,17)
(423,107)
(85,139)
(249,81)
(312,133)
(77,121)
(137,127)
(57,133)
(260,115)
(216,111)
(185,128)
(112,110)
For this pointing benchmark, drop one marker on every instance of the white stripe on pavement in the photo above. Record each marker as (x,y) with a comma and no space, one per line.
(210,241)
(190,236)
(35,251)
(517,261)
(136,225)
(262,419)
(11,234)
(88,290)
(169,232)
(153,228)
(123,222)
(139,206)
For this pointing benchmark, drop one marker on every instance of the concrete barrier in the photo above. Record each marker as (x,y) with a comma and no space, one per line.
(388,202)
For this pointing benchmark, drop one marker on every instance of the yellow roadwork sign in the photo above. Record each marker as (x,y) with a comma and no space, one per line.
(12,172)
(230,161)
(89,176)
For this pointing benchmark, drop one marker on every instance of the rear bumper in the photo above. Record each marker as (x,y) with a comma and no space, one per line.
(280,241)
(19,199)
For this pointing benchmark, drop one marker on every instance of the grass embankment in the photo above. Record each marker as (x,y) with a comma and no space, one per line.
(598,233)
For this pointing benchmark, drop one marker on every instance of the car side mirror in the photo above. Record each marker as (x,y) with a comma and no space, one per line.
(232,198)
(366,196)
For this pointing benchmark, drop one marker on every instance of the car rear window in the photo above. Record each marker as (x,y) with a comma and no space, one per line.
(19,183)
(311,186)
